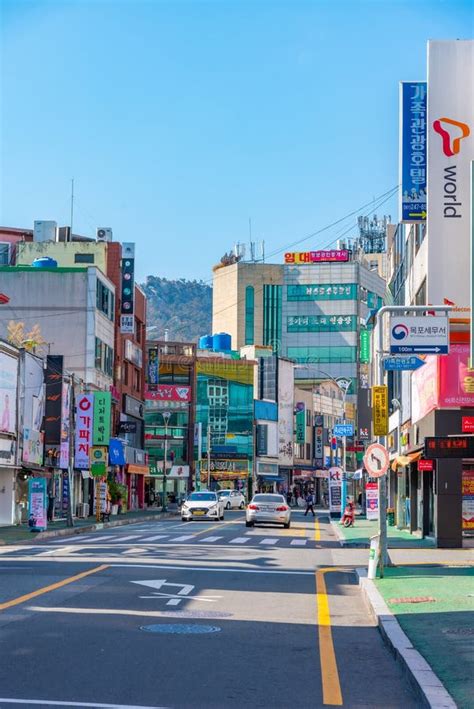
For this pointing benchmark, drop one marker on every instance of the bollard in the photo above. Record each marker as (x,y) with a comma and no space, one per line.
(374,554)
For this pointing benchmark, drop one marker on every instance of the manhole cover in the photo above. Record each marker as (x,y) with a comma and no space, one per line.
(413,599)
(459,631)
(196,614)
(180,629)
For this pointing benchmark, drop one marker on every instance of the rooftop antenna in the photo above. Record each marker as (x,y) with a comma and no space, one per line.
(72,205)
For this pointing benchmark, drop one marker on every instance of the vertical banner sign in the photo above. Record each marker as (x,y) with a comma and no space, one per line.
(300,423)
(65,425)
(128,278)
(471,362)
(153,369)
(380,410)
(53,405)
(84,419)
(101,419)
(372,500)
(319,441)
(364,350)
(335,485)
(413,151)
(37,504)
(450,152)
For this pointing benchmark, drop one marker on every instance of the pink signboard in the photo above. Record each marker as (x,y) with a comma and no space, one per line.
(456,380)
(334,255)
(169,392)
(424,389)
(85,410)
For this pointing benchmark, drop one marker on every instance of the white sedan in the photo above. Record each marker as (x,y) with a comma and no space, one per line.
(202,505)
(232,499)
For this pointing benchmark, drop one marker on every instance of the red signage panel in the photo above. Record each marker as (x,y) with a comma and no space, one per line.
(425,466)
(468,424)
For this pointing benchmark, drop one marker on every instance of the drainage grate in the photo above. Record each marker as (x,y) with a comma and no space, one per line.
(413,599)
(180,629)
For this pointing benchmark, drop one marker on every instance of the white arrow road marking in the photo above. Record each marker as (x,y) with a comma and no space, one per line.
(174,598)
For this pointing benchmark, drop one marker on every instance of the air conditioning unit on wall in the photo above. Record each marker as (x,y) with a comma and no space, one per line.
(104,233)
(83,509)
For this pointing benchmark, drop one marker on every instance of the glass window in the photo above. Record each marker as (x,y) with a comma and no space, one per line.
(105,300)
(322,354)
(272,298)
(104,357)
(4,254)
(249,315)
(322,291)
(420,297)
(83,258)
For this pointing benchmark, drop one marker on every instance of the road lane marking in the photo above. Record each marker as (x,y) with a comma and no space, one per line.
(211,539)
(239,540)
(317,530)
(183,538)
(298,542)
(51,587)
(269,540)
(153,539)
(94,705)
(332,694)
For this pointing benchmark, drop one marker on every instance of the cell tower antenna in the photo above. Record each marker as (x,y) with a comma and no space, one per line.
(72,204)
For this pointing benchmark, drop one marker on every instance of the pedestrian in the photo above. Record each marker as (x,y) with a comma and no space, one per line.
(288,498)
(309,504)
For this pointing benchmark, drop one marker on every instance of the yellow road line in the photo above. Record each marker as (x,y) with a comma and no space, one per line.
(51,587)
(216,526)
(317,530)
(332,694)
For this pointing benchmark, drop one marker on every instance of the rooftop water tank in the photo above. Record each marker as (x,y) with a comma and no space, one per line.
(45,262)
(221,341)
(205,342)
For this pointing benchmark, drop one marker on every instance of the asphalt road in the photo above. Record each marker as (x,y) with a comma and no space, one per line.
(200,614)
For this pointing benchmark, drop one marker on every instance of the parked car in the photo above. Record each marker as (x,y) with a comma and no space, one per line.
(232,499)
(202,505)
(269,508)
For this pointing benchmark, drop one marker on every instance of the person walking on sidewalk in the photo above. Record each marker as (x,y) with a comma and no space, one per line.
(309,504)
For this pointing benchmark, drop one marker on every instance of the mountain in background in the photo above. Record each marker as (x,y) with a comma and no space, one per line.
(184,307)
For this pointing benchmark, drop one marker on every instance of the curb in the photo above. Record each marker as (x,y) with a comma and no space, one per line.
(73,531)
(345,542)
(429,689)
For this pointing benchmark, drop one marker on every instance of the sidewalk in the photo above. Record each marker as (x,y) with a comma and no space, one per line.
(435,607)
(359,535)
(21,533)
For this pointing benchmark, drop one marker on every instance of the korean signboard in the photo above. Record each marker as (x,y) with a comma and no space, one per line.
(372,500)
(128,279)
(65,425)
(8,386)
(327,291)
(450,151)
(335,484)
(37,503)
(449,447)
(413,157)
(319,441)
(380,410)
(127,324)
(53,406)
(84,421)
(422,335)
(101,419)
(169,392)
(321,323)
(364,350)
(153,369)
(468,499)
(338,256)
(98,460)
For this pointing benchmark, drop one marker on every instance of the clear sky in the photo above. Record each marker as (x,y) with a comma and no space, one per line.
(181,119)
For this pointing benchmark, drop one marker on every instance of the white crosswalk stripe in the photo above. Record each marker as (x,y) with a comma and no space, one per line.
(269,540)
(154,538)
(298,542)
(183,538)
(211,539)
(239,540)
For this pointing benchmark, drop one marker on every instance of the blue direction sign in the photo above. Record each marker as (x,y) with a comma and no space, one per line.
(397,364)
(343,429)
(419,349)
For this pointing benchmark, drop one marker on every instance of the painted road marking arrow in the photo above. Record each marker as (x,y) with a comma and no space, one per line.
(174,599)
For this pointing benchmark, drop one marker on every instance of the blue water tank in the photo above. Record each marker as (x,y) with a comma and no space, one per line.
(205,342)
(44,262)
(221,341)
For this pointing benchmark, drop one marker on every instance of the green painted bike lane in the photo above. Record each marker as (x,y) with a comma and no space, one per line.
(442,630)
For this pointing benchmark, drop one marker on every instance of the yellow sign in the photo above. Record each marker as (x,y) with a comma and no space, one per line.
(380,410)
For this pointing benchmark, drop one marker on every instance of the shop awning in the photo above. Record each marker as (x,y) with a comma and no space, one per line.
(271,478)
(135,469)
(402,460)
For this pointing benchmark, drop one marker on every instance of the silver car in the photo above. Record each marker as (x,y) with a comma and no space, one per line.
(232,499)
(270,508)
(202,505)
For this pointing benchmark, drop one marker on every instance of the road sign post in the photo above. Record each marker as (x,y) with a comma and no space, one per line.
(396,338)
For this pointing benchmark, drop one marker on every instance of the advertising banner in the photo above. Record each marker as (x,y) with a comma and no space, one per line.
(65,425)
(319,441)
(98,460)
(424,389)
(33,410)
(468,499)
(261,439)
(32,447)
(450,151)
(8,389)
(300,422)
(335,483)
(101,418)
(169,392)
(456,380)
(84,420)
(37,504)
(364,349)
(53,406)
(413,151)
(334,255)
(178,472)
(380,410)
(372,500)
(285,412)
(153,369)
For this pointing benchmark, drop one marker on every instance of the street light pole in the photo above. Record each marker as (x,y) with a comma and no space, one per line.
(208,456)
(166,417)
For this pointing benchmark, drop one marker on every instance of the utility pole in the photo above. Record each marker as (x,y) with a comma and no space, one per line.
(208,456)
(166,417)
(72,204)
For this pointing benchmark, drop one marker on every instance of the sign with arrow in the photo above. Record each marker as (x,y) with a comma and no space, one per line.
(426,334)
(398,364)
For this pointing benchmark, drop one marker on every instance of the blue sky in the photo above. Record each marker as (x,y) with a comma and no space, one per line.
(180,120)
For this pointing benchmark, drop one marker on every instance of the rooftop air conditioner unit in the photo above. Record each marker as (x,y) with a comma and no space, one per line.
(104,234)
